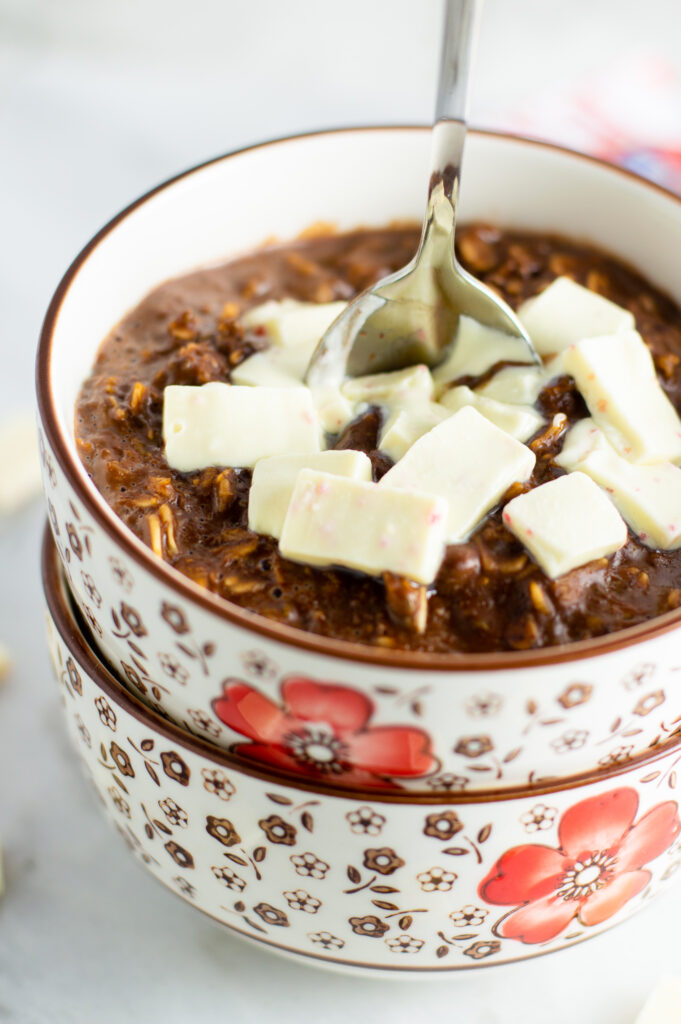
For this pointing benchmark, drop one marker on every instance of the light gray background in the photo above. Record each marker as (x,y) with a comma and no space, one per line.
(98,102)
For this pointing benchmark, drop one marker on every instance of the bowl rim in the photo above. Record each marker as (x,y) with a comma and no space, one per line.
(60,607)
(252,622)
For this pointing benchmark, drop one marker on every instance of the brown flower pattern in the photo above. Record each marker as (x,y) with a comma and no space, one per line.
(123,762)
(447,782)
(326,940)
(573,739)
(370,925)
(443,825)
(384,860)
(649,703)
(271,915)
(216,782)
(175,618)
(75,680)
(484,705)
(175,767)
(107,715)
(182,857)
(278,831)
(133,620)
(436,880)
(574,695)
(121,804)
(133,677)
(172,668)
(365,821)
(617,756)
(404,944)
(90,589)
(202,721)
(538,818)
(309,866)
(298,899)
(229,878)
(222,830)
(480,950)
(184,887)
(121,575)
(174,813)
(469,916)
(473,746)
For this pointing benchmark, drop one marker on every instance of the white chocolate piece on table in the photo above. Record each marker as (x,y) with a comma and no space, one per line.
(647,497)
(274,480)
(517,385)
(415,383)
(475,350)
(290,323)
(617,379)
(520,421)
(332,520)
(405,426)
(566,312)
(663,1005)
(566,523)
(468,461)
(226,425)
(19,462)
(5,662)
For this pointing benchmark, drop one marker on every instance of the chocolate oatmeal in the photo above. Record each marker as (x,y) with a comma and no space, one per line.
(489,594)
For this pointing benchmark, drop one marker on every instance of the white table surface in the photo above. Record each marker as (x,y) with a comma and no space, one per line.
(97,103)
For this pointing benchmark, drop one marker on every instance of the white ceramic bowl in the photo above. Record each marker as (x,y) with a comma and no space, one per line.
(373,880)
(423,721)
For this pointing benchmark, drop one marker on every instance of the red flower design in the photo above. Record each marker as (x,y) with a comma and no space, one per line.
(323,730)
(596,869)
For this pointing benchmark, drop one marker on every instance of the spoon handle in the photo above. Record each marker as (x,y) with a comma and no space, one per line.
(461,23)
(436,248)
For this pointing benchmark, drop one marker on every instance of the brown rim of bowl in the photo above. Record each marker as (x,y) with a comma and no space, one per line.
(341,649)
(59,603)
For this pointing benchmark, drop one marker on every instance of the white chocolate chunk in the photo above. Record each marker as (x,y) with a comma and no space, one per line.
(566,523)
(399,386)
(226,425)
(290,323)
(518,385)
(475,350)
(19,463)
(616,377)
(272,368)
(405,426)
(520,421)
(274,480)
(333,409)
(647,497)
(468,461)
(566,312)
(5,662)
(332,520)
(580,441)
(663,1005)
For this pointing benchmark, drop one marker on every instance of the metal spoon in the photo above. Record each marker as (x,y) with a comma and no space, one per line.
(412,315)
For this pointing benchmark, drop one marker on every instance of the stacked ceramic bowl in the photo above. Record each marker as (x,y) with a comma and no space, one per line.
(361,806)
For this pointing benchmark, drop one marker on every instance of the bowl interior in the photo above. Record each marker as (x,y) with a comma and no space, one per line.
(350,178)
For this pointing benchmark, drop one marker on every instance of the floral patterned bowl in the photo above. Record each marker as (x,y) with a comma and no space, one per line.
(366,879)
(278,696)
